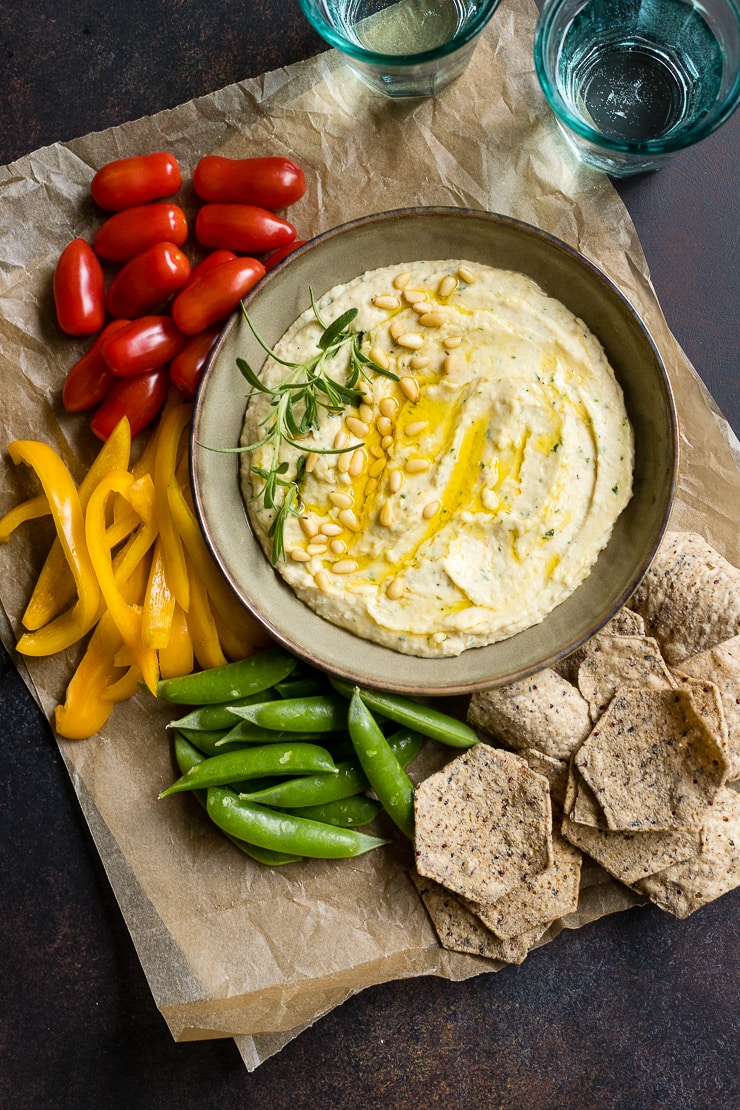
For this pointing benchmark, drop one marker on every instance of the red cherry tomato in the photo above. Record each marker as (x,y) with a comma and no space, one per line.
(215,295)
(139,398)
(277,256)
(79,290)
(211,260)
(142,345)
(147,280)
(89,380)
(266,182)
(130,181)
(134,229)
(242,228)
(186,368)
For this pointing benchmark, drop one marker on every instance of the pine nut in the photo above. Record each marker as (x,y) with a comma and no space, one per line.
(384,424)
(453,341)
(386,442)
(344,566)
(400,281)
(430,510)
(309,526)
(341,500)
(341,439)
(321,578)
(418,362)
(411,296)
(451,363)
(357,463)
(358,427)
(416,426)
(417,466)
(316,548)
(338,547)
(386,300)
(395,481)
(432,319)
(311,459)
(388,406)
(395,589)
(379,356)
(422,307)
(366,413)
(467,275)
(447,286)
(347,518)
(398,327)
(329,528)
(298,555)
(377,452)
(410,387)
(410,339)
(376,468)
(370,486)
(386,514)
(343,462)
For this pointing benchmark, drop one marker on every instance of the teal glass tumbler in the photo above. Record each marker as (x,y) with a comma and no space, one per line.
(633,82)
(402,48)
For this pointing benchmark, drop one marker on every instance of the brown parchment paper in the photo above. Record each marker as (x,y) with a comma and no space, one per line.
(230,949)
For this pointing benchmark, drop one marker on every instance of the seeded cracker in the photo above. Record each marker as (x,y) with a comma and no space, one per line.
(544,712)
(483,824)
(652,762)
(689,598)
(720,666)
(611,662)
(554,770)
(461,931)
(628,856)
(688,886)
(625,622)
(538,901)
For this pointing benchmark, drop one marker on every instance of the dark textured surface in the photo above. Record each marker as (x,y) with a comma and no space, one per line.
(634,1012)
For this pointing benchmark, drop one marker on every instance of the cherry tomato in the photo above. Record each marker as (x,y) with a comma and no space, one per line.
(134,229)
(186,368)
(242,228)
(130,181)
(147,280)
(142,345)
(89,380)
(277,256)
(266,182)
(79,290)
(211,260)
(215,295)
(139,398)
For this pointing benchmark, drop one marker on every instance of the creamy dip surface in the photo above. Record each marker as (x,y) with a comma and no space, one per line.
(480,487)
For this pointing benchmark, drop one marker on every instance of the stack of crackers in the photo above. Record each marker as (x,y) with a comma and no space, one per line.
(624,757)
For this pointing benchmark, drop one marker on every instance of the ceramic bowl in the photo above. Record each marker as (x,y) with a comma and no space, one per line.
(397,237)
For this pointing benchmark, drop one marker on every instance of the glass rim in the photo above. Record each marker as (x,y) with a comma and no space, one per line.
(372,57)
(706,126)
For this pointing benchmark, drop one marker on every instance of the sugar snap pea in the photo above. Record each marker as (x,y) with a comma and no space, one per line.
(348,812)
(221,715)
(231,681)
(205,740)
(284,832)
(302,686)
(187,756)
(405,711)
(255,762)
(321,713)
(244,732)
(392,786)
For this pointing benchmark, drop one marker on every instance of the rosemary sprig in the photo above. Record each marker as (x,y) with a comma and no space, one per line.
(295,409)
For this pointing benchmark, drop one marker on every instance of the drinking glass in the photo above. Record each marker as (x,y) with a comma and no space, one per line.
(632,82)
(402,48)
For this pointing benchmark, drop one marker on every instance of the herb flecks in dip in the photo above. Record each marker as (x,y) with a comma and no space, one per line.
(480,486)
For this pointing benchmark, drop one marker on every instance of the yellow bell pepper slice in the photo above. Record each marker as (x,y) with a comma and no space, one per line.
(31,509)
(55,587)
(170,431)
(159,603)
(203,631)
(127,617)
(177,658)
(66,510)
(85,710)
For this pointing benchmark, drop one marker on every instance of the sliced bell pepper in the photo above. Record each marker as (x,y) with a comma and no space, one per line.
(169,434)
(31,509)
(177,658)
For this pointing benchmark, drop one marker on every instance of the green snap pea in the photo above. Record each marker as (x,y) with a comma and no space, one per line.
(232,680)
(220,716)
(322,713)
(348,812)
(205,740)
(404,711)
(256,762)
(302,686)
(392,786)
(187,756)
(244,732)
(266,828)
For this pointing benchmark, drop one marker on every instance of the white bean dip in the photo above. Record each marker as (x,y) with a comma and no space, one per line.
(481,486)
